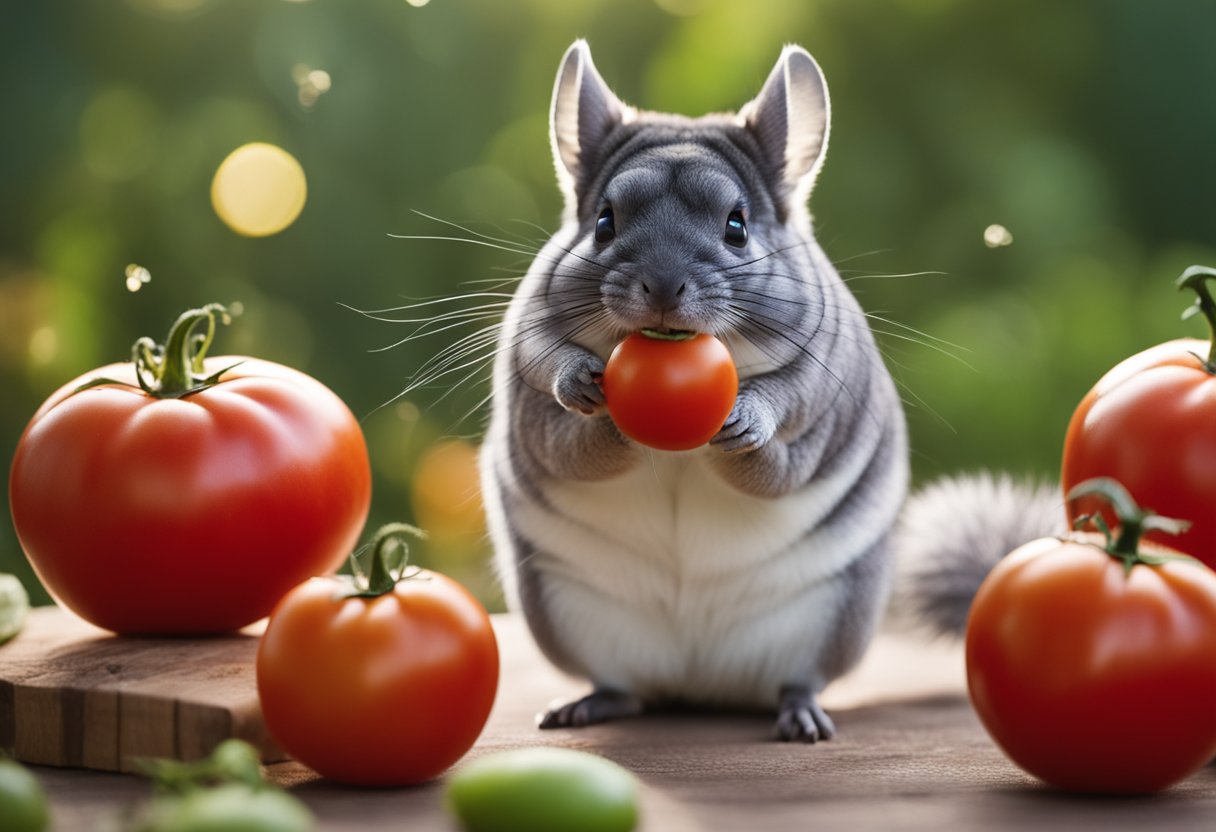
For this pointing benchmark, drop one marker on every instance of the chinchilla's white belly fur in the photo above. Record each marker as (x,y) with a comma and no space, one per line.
(669,583)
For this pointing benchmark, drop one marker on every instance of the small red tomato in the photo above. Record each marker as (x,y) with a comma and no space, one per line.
(180,494)
(382,684)
(1151,424)
(1092,662)
(671,392)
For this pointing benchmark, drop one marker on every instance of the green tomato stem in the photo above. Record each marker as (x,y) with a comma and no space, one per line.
(1195,279)
(389,558)
(1134,521)
(677,335)
(180,364)
(174,370)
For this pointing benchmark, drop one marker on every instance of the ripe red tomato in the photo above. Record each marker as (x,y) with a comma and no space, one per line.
(194,512)
(384,689)
(1149,423)
(669,393)
(1093,671)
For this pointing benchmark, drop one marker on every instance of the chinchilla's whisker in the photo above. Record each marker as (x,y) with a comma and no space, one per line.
(917,336)
(593,262)
(468,230)
(489,334)
(444,316)
(471,240)
(371,313)
(414,336)
(772,253)
(459,355)
(901,337)
(490,243)
(762,323)
(916,399)
(873,275)
(546,233)
(485,336)
(878,316)
(557,344)
(863,254)
(754,321)
(919,401)
(495,282)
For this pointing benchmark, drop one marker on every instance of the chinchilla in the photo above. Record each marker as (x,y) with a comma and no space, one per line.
(754,570)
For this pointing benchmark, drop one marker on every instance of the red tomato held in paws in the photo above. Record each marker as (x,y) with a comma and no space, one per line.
(671,392)
(385,683)
(1092,662)
(1151,424)
(187,495)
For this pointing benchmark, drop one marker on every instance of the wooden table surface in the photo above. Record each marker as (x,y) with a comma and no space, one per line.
(910,755)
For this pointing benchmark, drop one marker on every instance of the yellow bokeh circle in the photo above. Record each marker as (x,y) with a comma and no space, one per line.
(446,494)
(259,190)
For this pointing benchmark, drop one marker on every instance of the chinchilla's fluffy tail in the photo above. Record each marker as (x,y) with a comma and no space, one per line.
(952,532)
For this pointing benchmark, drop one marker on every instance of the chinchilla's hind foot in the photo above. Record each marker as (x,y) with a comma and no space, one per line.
(800,717)
(598,706)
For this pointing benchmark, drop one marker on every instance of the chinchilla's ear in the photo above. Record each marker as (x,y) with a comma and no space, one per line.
(583,112)
(791,118)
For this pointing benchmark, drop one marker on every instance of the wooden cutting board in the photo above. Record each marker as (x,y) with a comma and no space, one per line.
(74,695)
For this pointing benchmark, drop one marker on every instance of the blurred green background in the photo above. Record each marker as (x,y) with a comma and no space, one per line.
(1086,130)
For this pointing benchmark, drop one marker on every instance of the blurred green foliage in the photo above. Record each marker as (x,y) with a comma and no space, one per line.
(1086,129)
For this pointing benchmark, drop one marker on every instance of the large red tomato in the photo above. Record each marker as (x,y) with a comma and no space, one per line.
(1151,424)
(383,684)
(1092,663)
(670,392)
(194,505)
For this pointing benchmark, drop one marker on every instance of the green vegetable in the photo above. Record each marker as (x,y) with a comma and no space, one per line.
(224,792)
(14,606)
(544,790)
(22,803)
(232,807)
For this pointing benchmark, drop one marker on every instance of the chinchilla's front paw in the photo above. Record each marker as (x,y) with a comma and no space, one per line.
(577,386)
(750,425)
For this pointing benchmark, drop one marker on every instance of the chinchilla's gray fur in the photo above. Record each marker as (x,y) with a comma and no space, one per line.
(748,572)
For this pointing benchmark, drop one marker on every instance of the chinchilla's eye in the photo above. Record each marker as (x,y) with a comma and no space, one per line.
(736,230)
(605,228)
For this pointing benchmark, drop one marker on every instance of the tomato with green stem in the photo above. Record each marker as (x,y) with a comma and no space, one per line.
(1091,660)
(670,391)
(184,494)
(384,679)
(1151,424)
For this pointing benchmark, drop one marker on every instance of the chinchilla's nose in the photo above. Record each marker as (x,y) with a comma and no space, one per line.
(663,293)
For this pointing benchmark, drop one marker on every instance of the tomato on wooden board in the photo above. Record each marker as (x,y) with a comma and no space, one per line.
(1151,424)
(385,681)
(182,494)
(1092,660)
(673,391)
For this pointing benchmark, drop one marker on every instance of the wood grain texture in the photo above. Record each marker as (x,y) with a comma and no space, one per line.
(73,695)
(910,756)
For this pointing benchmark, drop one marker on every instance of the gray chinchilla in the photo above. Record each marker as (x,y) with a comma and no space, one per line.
(751,571)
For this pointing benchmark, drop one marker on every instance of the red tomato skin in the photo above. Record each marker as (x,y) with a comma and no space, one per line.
(1150,423)
(388,691)
(193,515)
(670,395)
(1090,680)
